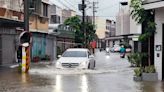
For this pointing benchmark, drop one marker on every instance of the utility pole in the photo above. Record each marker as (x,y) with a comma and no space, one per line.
(25,40)
(83,22)
(26,15)
(94,10)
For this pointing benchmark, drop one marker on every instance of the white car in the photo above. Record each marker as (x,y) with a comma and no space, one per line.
(79,58)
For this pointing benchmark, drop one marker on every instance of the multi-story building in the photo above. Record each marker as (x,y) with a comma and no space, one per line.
(38,24)
(11,24)
(100,31)
(67,13)
(158,47)
(111,32)
(57,16)
(126,28)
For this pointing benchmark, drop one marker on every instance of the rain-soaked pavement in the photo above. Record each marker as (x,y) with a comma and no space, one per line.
(112,74)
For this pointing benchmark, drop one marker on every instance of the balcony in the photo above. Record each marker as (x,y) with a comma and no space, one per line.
(15,5)
(153,4)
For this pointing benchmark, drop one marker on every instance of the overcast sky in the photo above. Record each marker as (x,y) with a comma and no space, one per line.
(106,8)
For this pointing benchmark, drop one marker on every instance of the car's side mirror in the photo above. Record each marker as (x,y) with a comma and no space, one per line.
(59,56)
(91,56)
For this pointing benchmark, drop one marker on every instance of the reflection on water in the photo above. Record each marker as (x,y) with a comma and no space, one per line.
(71,83)
(152,86)
(58,86)
(84,83)
(24,77)
(107,56)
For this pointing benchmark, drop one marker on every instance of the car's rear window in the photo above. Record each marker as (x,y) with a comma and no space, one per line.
(74,54)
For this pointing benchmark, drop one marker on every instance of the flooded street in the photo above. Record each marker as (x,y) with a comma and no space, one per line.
(111,74)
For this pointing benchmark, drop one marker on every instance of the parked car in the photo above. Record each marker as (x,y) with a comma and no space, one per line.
(78,58)
(115,48)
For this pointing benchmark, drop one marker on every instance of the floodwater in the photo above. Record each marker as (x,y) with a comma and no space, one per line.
(112,74)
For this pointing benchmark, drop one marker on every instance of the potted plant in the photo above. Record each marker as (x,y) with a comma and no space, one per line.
(137,74)
(149,74)
(136,58)
(36,59)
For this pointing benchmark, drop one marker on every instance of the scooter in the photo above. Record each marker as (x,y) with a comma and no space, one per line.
(122,55)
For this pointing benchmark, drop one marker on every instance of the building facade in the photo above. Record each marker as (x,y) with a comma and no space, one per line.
(67,13)
(127,30)
(111,32)
(64,34)
(38,23)
(158,7)
(11,24)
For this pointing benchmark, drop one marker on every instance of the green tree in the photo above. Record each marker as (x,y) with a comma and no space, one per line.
(76,23)
(146,18)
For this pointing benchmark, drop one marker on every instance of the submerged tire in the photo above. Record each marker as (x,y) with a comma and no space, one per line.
(89,66)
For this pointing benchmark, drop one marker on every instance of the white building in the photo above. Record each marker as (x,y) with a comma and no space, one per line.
(158,6)
(126,28)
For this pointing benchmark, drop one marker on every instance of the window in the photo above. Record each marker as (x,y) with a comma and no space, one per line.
(54,19)
(36,5)
(33,4)
(75,54)
(45,9)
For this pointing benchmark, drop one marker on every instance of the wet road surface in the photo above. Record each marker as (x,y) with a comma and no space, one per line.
(112,74)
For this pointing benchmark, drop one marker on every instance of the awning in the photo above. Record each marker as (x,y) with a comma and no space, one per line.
(10,23)
(153,5)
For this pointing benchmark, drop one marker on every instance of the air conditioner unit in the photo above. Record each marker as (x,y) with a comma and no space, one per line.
(15,17)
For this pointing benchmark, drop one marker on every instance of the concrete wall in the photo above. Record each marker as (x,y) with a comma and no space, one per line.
(118,25)
(100,27)
(123,21)
(51,47)
(135,28)
(39,23)
(12,4)
(159,19)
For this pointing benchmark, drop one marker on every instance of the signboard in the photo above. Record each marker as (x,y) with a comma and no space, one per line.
(158,47)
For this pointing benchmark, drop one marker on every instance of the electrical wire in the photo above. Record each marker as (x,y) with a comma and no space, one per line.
(67,6)
(70,4)
(64,4)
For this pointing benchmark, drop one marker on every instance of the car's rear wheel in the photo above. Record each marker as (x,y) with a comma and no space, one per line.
(89,66)
(94,64)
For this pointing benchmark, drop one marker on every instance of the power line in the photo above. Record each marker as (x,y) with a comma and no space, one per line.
(65,5)
(73,6)
(70,4)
